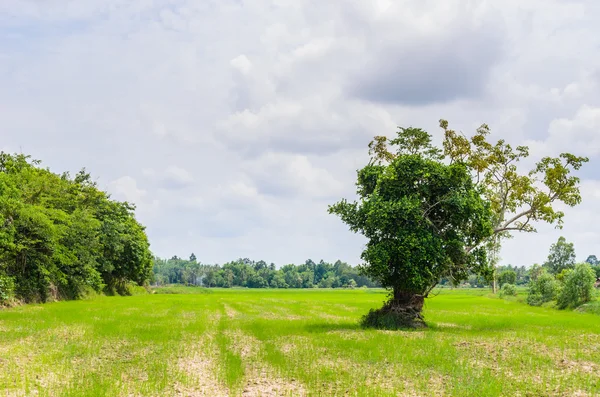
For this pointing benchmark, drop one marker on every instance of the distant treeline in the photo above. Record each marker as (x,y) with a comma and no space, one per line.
(259,274)
(61,237)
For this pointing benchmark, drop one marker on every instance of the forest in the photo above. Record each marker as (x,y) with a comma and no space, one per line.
(64,238)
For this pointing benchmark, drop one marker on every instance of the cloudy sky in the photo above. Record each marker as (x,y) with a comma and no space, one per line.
(232,124)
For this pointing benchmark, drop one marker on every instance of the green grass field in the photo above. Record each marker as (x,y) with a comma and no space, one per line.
(294,342)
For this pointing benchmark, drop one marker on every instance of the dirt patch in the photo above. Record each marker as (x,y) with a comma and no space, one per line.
(261,379)
(245,345)
(202,368)
(263,383)
(571,366)
(230,311)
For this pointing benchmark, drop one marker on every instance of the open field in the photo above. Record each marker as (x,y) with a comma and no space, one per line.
(294,342)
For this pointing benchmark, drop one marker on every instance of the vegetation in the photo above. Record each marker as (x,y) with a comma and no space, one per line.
(251,274)
(542,289)
(578,287)
(62,238)
(508,290)
(432,213)
(562,256)
(294,342)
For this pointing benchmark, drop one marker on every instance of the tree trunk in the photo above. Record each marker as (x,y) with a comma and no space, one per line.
(406,308)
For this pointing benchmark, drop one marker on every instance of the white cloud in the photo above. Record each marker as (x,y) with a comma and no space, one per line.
(246,134)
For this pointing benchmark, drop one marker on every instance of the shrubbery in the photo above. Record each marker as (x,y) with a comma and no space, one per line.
(508,290)
(543,289)
(578,287)
(571,288)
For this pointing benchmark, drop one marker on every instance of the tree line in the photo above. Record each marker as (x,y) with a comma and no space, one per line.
(61,237)
(258,274)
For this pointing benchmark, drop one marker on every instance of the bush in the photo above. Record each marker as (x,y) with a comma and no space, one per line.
(543,289)
(7,289)
(579,287)
(508,290)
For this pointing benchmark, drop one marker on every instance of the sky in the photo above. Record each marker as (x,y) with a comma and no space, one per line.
(233,124)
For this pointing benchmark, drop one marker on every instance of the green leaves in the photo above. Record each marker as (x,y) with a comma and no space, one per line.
(430,212)
(56,233)
(419,215)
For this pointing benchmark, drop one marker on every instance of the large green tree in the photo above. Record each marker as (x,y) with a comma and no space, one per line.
(421,217)
(408,251)
(518,198)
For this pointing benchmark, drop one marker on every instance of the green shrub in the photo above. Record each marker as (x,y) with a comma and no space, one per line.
(578,288)
(7,289)
(543,289)
(508,290)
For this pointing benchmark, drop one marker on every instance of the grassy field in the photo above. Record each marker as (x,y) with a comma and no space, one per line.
(294,342)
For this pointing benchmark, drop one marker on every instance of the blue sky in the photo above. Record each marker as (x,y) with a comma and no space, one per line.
(233,124)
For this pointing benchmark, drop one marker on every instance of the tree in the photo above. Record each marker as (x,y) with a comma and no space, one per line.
(423,220)
(518,199)
(592,260)
(561,256)
(507,277)
(578,288)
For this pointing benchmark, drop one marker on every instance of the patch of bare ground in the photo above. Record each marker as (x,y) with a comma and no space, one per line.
(202,369)
(572,366)
(230,311)
(261,379)
(266,383)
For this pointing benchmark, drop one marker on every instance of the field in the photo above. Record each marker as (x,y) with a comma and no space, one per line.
(294,342)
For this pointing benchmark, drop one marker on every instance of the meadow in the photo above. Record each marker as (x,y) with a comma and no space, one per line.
(196,342)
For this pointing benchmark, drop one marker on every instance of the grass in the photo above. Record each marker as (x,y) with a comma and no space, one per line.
(295,342)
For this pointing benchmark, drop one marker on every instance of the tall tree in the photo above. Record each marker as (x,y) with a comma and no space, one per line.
(561,256)
(421,217)
(518,199)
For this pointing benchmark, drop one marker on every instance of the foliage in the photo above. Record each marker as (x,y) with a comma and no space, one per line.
(507,277)
(508,290)
(578,287)
(62,236)
(517,199)
(258,274)
(562,256)
(7,289)
(592,260)
(544,288)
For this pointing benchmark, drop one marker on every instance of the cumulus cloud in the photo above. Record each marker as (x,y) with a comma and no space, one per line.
(232,142)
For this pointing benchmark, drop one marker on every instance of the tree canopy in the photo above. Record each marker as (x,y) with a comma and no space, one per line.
(561,256)
(60,236)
